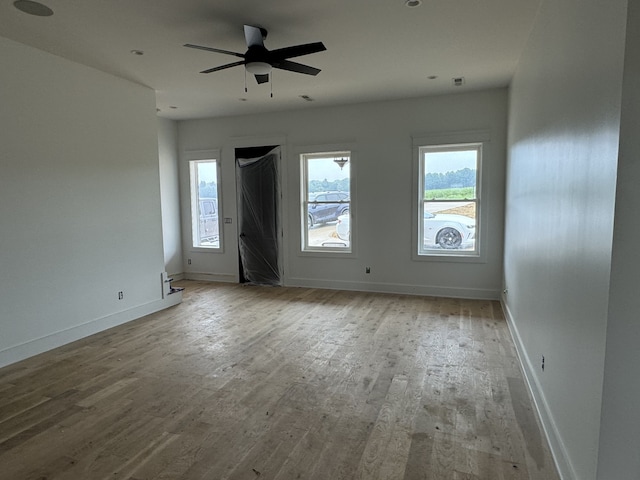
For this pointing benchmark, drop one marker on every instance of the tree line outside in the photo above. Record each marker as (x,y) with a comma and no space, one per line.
(458,185)
(329,186)
(207,190)
(451,185)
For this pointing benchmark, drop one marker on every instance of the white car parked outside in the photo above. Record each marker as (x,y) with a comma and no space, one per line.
(449,231)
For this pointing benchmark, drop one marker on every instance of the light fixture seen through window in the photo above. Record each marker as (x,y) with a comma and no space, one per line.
(341,161)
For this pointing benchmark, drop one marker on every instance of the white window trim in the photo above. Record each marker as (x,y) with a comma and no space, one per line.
(446,139)
(325,252)
(195,156)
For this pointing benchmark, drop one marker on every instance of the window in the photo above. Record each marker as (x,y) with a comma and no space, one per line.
(448,199)
(204,203)
(326,201)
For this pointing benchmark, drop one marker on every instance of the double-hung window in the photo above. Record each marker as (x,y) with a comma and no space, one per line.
(326,201)
(205,203)
(449,199)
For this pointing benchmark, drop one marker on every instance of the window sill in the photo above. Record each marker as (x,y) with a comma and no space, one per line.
(449,257)
(207,249)
(327,253)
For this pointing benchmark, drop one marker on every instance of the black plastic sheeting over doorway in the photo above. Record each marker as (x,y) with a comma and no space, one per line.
(258,193)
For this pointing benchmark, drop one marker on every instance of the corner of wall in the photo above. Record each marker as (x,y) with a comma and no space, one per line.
(57,339)
(552,435)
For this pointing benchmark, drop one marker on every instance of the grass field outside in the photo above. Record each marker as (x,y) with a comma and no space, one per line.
(462,193)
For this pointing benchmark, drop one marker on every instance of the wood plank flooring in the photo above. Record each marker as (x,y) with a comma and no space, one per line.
(246,383)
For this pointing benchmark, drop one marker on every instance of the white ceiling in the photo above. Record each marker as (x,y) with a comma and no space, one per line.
(376,49)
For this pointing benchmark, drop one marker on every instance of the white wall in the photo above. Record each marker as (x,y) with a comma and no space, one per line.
(380,135)
(563,148)
(619,438)
(79,197)
(170,196)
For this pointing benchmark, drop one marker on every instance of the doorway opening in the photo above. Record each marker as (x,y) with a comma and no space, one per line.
(258,206)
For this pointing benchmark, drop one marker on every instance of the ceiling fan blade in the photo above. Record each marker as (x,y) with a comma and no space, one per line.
(262,78)
(217,50)
(296,51)
(296,67)
(223,67)
(253,36)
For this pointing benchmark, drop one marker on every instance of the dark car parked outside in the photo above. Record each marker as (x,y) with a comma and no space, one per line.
(327,206)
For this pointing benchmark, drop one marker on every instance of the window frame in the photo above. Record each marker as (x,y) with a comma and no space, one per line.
(194,158)
(451,142)
(324,152)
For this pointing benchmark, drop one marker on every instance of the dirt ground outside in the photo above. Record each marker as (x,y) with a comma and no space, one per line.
(325,233)
(468,210)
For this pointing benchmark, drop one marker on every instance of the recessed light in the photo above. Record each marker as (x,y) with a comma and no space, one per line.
(242,99)
(306,98)
(137,52)
(413,3)
(432,77)
(33,8)
(172,107)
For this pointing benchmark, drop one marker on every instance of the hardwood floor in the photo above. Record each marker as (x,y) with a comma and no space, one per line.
(242,382)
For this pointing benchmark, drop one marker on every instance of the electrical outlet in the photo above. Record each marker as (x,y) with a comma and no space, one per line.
(120,295)
(367,270)
(542,363)
(188,261)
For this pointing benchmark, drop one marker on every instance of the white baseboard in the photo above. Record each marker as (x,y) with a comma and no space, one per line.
(210,277)
(399,288)
(558,449)
(28,349)
(378,287)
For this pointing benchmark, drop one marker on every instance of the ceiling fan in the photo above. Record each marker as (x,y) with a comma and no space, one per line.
(259,61)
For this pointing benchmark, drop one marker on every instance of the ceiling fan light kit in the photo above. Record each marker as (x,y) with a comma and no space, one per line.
(259,61)
(258,68)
